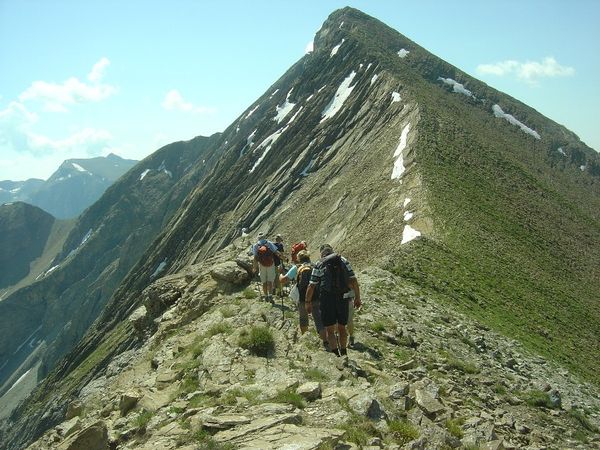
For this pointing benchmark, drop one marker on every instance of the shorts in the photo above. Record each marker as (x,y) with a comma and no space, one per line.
(267,274)
(334,309)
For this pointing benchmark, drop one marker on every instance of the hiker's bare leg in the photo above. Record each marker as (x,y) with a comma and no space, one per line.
(342,335)
(331,338)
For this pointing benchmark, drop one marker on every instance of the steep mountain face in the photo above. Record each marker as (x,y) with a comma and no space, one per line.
(16,191)
(399,160)
(78,183)
(106,241)
(24,231)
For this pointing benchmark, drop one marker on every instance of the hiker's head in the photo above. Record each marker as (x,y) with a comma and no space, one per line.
(278,238)
(325,250)
(303,256)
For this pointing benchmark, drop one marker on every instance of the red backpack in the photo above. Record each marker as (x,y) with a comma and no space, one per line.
(264,255)
(295,249)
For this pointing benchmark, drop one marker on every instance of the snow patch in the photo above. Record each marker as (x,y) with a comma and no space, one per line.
(21,378)
(284,109)
(457,87)
(86,237)
(399,168)
(252,111)
(79,168)
(402,53)
(406,202)
(160,268)
(342,93)
(13,191)
(163,168)
(374,78)
(409,233)
(335,49)
(274,92)
(582,168)
(341,25)
(309,166)
(395,97)
(368,66)
(511,119)
(295,115)
(267,144)
(144,173)
(408,215)
(561,151)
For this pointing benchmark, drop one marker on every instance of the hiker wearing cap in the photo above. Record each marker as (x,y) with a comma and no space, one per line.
(264,252)
(333,277)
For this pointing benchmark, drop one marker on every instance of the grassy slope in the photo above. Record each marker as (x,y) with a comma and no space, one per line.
(518,238)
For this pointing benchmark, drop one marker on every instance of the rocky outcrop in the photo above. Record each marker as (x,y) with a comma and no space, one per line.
(196,385)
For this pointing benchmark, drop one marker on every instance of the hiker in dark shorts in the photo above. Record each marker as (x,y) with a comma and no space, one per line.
(333,277)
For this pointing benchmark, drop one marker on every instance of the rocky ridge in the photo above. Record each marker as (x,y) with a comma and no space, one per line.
(420,376)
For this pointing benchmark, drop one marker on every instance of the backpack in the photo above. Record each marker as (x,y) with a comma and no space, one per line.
(295,249)
(335,279)
(303,280)
(264,255)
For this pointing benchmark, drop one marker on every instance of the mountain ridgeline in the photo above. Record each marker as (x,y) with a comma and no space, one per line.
(374,145)
(75,185)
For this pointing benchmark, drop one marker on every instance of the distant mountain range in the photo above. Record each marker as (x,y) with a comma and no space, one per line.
(75,185)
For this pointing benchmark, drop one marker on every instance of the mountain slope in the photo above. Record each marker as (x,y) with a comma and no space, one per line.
(367,143)
(24,231)
(99,251)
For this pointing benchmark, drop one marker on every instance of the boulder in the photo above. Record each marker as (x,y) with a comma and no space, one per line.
(310,391)
(230,272)
(128,401)
(139,319)
(94,437)
(75,409)
(399,390)
(69,427)
(368,406)
(429,405)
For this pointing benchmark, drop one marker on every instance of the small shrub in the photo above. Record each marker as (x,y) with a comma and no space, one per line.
(359,430)
(190,383)
(250,293)
(259,341)
(314,374)
(463,366)
(378,327)
(499,389)
(454,427)
(206,442)
(229,311)
(291,397)
(230,397)
(538,399)
(142,419)
(403,432)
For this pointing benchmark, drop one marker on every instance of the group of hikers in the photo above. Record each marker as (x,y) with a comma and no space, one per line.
(326,290)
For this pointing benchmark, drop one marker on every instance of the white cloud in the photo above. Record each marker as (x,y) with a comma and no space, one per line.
(174,102)
(310,47)
(97,72)
(529,71)
(57,96)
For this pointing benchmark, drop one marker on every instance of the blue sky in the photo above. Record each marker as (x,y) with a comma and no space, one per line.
(85,78)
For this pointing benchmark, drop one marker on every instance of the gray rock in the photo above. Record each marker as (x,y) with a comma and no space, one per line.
(94,437)
(260,425)
(493,445)
(429,405)
(74,409)
(230,272)
(69,427)
(399,390)
(368,406)
(310,391)
(408,365)
(139,319)
(127,402)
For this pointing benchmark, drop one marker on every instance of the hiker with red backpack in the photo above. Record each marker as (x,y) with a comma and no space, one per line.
(299,246)
(264,252)
(333,277)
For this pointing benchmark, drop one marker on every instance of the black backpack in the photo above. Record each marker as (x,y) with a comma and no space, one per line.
(335,278)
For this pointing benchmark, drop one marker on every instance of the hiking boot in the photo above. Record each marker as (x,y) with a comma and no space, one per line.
(351,342)
(270,299)
(336,352)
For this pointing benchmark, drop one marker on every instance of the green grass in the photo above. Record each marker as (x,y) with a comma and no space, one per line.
(402,432)
(314,374)
(250,293)
(289,396)
(230,397)
(538,399)
(359,430)
(454,427)
(378,327)
(259,341)
(205,441)
(142,419)
(219,328)
(581,418)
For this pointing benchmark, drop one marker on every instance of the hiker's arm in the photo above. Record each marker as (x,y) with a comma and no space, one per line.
(354,285)
(308,299)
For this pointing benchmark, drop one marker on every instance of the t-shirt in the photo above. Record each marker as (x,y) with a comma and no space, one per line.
(292,273)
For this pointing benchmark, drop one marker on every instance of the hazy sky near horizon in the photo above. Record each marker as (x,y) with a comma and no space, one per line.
(80,79)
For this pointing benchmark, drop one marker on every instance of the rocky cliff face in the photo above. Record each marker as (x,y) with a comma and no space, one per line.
(24,231)
(419,376)
(402,162)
